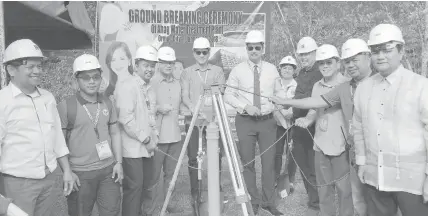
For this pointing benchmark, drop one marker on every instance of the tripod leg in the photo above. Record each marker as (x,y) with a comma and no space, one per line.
(234,168)
(200,158)
(180,159)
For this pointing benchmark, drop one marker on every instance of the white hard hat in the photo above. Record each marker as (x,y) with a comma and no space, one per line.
(201,43)
(255,36)
(288,60)
(166,54)
(306,44)
(147,53)
(383,33)
(354,46)
(85,62)
(24,48)
(326,51)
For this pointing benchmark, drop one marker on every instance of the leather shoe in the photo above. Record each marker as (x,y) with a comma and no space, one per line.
(272,210)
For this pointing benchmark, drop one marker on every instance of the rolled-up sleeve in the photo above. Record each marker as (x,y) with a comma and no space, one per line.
(126,105)
(357,128)
(231,95)
(424,117)
(60,148)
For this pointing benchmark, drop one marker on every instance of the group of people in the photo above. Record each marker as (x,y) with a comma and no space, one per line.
(111,148)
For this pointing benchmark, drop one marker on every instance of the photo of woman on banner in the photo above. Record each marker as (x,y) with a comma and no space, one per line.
(118,61)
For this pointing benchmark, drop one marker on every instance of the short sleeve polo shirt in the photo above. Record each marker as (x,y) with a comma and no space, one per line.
(83,139)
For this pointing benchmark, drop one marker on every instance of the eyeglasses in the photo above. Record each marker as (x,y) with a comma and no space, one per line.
(250,48)
(201,52)
(88,78)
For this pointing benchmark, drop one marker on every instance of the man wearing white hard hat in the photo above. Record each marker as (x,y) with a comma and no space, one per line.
(89,122)
(254,120)
(285,180)
(31,139)
(303,150)
(356,57)
(390,129)
(168,99)
(139,135)
(194,80)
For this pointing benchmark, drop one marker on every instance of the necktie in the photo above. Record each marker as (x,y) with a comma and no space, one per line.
(256,96)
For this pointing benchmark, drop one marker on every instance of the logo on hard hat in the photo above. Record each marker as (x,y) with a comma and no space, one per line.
(36,47)
(88,62)
(378,34)
(105,112)
(302,46)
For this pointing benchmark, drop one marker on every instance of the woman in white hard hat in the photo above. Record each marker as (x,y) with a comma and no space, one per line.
(391,130)
(119,64)
(288,66)
(31,139)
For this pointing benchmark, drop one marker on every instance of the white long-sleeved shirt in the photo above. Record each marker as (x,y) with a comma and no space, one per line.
(31,137)
(242,77)
(132,102)
(390,127)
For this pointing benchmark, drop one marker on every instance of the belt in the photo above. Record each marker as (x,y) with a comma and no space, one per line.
(260,117)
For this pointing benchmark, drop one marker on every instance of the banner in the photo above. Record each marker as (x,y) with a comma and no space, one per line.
(125,26)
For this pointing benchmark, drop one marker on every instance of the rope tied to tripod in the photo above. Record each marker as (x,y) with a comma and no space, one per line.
(272,145)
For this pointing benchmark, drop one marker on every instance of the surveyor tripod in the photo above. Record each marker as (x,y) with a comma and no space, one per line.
(230,150)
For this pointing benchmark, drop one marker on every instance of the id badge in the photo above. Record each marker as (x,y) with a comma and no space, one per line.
(103,150)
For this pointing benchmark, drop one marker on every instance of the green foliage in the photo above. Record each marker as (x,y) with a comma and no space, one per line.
(335,22)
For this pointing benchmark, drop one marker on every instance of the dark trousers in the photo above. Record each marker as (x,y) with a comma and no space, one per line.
(136,185)
(159,161)
(329,169)
(99,186)
(263,132)
(304,155)
(36,197)
(192,153)
(381,203)
(283,142)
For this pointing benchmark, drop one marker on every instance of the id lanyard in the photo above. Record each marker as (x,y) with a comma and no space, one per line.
(94,121)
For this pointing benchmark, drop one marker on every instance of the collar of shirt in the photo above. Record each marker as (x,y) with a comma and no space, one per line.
(83,101)
(291,83)
(259,65)
(167,79)
(354,83)
(392,78)
(198,68)
(16,91)
(340,78)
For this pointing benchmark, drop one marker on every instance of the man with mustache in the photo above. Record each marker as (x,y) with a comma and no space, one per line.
(254,121)
(356,56)
(135,107)
(31,140)
(390,127)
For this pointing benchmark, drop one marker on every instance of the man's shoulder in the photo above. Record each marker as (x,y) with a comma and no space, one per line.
(215,68)
(268,65)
